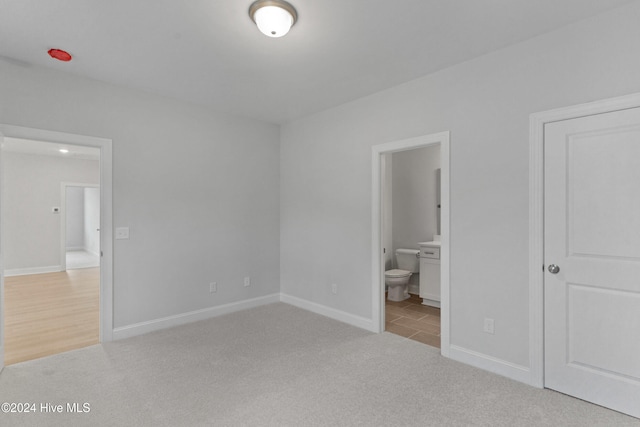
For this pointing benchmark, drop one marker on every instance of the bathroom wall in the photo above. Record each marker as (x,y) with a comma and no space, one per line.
(414,196)
(387,210)
(414,200)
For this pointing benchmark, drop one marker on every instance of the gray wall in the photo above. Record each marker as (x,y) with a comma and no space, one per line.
(199,189)
(414,196)
(485,103)
(83,218)
(31,188)
(91,235)
(387,210)
(75,217)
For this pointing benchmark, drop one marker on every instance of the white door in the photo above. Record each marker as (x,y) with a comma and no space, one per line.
(592,235)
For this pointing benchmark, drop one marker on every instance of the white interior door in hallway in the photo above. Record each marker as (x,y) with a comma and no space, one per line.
(592,258)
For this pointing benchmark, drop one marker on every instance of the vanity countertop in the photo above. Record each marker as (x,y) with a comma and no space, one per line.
(431,244)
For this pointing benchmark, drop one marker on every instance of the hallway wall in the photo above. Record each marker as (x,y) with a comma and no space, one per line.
(31,189)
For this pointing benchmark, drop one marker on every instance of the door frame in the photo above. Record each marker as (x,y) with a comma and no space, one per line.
(377,256)
(63,218)
(537,122)
(106,218)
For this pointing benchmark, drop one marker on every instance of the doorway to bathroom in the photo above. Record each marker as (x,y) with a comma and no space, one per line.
(410,213)
(410,220)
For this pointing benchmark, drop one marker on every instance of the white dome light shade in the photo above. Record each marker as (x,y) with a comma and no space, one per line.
(274,18)
(273,21)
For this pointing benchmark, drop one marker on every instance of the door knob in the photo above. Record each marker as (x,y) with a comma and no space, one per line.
(554,269)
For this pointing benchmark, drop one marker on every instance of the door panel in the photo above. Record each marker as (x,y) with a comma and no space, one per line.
(583,326)
(592,232)
(599,162)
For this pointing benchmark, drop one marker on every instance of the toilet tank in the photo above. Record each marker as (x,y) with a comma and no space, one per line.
(408,259)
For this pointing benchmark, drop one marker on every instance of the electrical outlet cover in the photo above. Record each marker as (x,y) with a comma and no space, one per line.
(122,233)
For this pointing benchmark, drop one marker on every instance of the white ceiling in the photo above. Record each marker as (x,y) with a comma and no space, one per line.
(209,51)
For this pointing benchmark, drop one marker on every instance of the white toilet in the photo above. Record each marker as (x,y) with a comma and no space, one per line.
(408,262)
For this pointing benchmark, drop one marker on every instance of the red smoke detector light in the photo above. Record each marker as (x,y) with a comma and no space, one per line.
(60,55)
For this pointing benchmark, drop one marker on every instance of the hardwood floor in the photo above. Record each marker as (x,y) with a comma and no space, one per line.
(51,313)
(411,319)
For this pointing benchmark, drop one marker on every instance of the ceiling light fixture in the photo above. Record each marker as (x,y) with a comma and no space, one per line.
(63,150)
(274,18)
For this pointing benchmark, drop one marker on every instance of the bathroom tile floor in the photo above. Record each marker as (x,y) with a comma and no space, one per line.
(411,319)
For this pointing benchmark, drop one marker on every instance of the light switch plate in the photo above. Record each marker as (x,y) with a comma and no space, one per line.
(489,326)
(122,233)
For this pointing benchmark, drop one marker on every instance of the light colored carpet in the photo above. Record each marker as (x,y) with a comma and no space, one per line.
(81,259)
(278,365)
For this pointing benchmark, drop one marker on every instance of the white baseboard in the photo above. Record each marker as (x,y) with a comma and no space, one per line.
(360,322)
(430,302)
(491,364)
(91,252)
(193,316)
(32,270)
(457,353)
(82,248)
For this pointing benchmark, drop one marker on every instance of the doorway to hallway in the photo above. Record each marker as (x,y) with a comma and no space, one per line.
(92,286)
(51,313)
(49,309)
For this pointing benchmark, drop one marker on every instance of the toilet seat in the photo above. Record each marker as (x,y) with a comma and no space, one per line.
(397,274)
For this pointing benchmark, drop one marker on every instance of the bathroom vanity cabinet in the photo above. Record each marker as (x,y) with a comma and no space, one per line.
(430,273)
